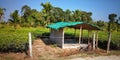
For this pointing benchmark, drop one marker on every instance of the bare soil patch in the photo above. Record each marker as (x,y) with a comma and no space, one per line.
(111,57)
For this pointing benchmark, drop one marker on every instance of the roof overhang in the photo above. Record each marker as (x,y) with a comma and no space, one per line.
(75,25)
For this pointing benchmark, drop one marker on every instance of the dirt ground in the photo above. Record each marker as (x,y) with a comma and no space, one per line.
(42,51)
(111,57)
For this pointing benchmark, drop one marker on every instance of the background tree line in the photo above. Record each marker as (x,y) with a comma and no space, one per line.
(50,14)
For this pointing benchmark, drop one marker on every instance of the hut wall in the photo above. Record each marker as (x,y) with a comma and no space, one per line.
(57,36)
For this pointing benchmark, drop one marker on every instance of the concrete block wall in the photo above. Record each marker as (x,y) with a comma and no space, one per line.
(57,36)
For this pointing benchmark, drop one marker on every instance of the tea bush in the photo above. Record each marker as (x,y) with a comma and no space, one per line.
(13,40)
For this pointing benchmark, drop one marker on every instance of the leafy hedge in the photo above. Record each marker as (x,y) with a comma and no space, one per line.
(17,40)
(13,40)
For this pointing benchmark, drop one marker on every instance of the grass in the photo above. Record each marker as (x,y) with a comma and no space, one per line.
(102,36)
(16,39)
(9,34)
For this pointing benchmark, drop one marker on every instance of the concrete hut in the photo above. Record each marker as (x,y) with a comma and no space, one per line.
(57,32)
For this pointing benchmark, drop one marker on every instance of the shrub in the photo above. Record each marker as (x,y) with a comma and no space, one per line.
(13,40)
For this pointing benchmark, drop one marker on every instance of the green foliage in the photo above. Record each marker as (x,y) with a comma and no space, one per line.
(47,7)
(13,40)
(49,14)
(102,25)
(102,36)
(82,16)
(57,14)
(111,24)
(15,19)
(2,11)
(115,38)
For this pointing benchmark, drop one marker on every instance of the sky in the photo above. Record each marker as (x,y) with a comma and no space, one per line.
(100,8)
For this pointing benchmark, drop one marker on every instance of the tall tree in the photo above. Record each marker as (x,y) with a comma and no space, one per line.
(102,24)
(67,15)
(47,7)
(31,17)
(15,18)
(110,29)
(2,10)
(77,15)
(89,18)
(82,16)
(36,18)
(118,23)
(86,16)
(26,12)
(58,14)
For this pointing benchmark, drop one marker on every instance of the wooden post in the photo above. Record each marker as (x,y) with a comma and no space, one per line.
(109,40)
(94,41)
(88,37)
(80,34)
(30,44)
(63,39)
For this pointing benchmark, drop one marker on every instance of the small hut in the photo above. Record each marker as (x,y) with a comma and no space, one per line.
(57,31)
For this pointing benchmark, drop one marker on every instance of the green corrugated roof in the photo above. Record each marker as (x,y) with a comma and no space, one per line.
(59,25)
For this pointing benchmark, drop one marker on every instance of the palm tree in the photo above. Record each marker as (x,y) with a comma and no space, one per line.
(47,7)
(26,11)
(118,23)
(59,14)
(101,24)
(110,28)
(2,10)
(15,19)
(36,18)
(26,16)
(89,14)
(86,16)
(67,15)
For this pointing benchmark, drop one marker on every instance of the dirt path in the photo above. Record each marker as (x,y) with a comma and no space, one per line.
(41,51)
(111,57)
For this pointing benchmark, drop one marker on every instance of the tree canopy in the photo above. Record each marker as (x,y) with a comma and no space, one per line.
(2,11)
(50,14)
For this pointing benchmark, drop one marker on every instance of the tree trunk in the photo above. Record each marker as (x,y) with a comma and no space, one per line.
(109,40)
